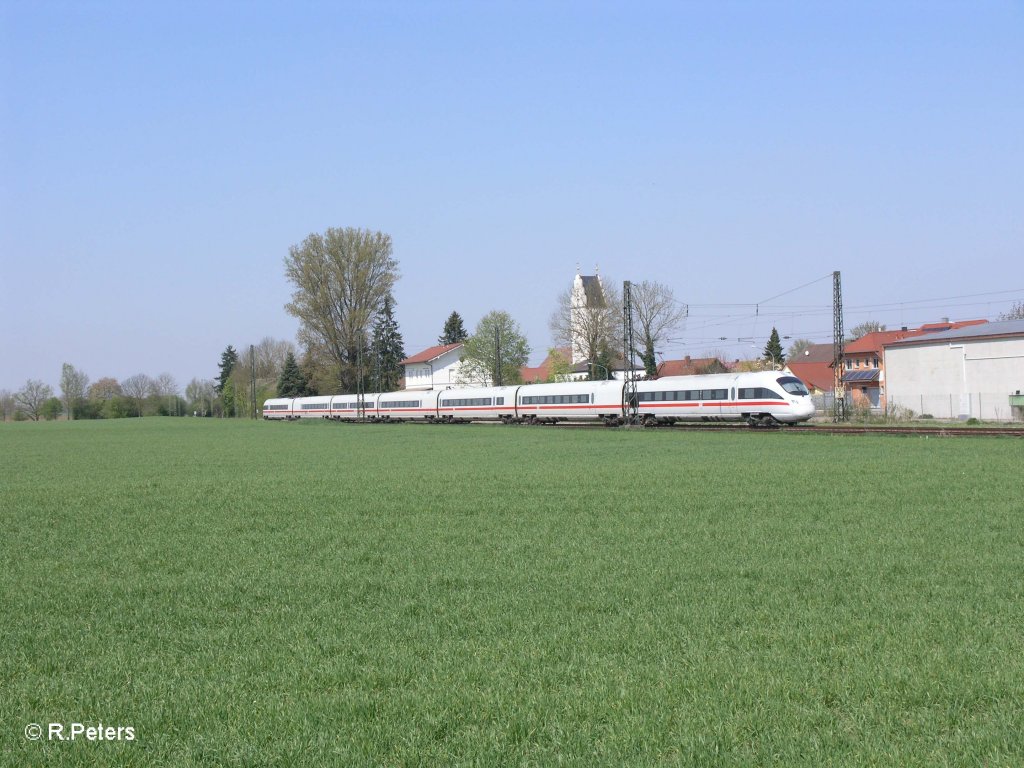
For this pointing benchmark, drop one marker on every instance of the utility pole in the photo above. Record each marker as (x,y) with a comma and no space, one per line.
(360,393)
(630,406)
(497,356)
(252,380)
(838,391)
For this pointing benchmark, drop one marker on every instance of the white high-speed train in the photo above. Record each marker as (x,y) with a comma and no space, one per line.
(760,399)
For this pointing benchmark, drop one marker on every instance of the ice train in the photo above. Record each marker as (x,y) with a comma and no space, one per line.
(761,399)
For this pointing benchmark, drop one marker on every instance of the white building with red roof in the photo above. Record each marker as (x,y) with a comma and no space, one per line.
(963,372)
(434,368)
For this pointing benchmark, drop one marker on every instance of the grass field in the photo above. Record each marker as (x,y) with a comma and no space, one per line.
(317,594)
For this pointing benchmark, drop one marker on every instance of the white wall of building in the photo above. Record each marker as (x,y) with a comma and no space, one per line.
(440,373)
(956,378)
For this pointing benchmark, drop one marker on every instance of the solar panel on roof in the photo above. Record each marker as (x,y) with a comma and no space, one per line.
(868,375)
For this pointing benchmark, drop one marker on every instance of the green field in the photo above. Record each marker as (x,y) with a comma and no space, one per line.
(256,593)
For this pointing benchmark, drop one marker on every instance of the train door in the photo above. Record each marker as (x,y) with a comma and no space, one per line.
(711,401)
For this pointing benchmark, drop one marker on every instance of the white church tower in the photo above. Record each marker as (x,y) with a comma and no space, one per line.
(587,291)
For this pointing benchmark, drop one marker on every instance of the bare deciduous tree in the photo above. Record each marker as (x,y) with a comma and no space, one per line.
(199,394)
(591,330)
(268,356)
(163,385)
(137,387)
(797,349)
(870,326)
(73,386)
(1016,312)
(656,313)
(7,405)
(30,398)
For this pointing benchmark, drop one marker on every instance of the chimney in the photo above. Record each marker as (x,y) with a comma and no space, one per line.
(686,359)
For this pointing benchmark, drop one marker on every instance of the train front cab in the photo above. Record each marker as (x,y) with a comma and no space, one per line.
(799,398)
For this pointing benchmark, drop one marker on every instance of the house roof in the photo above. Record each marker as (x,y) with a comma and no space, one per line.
(690,366)
(816,353)
(1002,329)
(819,375)
(874,342)
(542,371)
(593,290)
(430,354)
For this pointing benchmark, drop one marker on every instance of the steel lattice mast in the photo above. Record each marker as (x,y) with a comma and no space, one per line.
(630,406)
(838,392)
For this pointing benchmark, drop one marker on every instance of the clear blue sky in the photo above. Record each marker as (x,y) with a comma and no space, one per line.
(157,161)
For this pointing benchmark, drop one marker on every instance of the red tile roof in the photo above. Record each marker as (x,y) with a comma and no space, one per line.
(691,366)
(542,371)
(816,375)
(431,353)
(873,342)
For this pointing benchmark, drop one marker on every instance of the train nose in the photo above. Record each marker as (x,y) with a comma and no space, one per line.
(806,408)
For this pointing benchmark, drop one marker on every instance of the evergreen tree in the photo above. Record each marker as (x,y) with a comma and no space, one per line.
(773,350)
(454,331)
(228,359)
(601,366)
(293,382)
(387,349)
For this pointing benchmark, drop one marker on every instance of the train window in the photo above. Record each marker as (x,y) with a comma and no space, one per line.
(499,401)
(401,404)
(758,393)
(793,385)
(714,394)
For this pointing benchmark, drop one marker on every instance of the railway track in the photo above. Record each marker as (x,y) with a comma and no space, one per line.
(823,429)
(831,430)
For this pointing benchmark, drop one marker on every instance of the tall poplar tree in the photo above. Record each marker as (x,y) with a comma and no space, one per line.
(340,279)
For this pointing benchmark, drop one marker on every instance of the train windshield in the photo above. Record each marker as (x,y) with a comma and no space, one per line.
(793,385)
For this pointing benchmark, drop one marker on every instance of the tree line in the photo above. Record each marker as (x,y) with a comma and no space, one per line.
(349,340)
(106,398)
